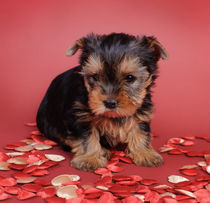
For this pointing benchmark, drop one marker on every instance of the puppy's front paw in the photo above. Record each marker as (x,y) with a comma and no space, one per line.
(146,158)
(88,163)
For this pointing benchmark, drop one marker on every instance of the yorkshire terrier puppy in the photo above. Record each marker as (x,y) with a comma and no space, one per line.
(105,101)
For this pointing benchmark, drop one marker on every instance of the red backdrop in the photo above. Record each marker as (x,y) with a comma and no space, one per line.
(35,34)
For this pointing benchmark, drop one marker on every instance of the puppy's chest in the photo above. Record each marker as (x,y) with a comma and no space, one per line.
(115,132)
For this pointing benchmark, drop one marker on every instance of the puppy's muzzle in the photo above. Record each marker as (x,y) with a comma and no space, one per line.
(110,103)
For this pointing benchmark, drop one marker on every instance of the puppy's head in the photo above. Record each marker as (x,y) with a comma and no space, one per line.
(118,71)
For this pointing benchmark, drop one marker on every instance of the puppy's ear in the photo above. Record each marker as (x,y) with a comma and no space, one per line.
(73,49)
(155,47)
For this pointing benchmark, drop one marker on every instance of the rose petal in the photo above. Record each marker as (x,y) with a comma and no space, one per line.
(107,197)
(121,188)
(26,180)
(8,182)
(4,196)
(61,179)
(175,151)
(142,189)
(42,182)
(126,160)
(187,143)
(42,146)
(189,166)
(148,181)
(39,172)
(48,164)
(176,179)
(67,192)
(3,157)
(36,132)
(25,148)
(55,157)
(193,153)
(207,186)
(165,149)
(189,137)
(114,168)
(13,154)
(202,195)
(30,124)
(21,175)
(17,160)
(17,166)
(30,169)
(190,172)
(103,171)
(47,192)
(12,190)
(121,178)
(132,182)
(203,178)
(185,192)
(31,187)
(106,180)
(4,166)
(23,194)
(175,140)
(43,140)
(152,197)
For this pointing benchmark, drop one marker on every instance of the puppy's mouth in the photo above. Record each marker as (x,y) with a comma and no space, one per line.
(111,114)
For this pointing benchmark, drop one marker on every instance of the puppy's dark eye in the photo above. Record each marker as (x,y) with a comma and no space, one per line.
(130,78)
(94,77)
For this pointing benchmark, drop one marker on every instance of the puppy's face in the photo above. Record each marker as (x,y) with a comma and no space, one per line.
(117,70)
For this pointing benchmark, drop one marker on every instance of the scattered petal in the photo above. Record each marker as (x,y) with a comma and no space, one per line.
(189,166)
(148,181)
(30,124)
(42,146)
(54,157)
(3,157)
(39,172)
(12,190)
(26,148)
(107,197)
(47,192)
(23,194)
(176,179)
(26,180)
(67,192)
(103,171)
(61,179)
(190,172)
(21,175)
(4,166)
(185,192)
(202,195)
(4,196)
(17,160)
(31,187)
(8,182)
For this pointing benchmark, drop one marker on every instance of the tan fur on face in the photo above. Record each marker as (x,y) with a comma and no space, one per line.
(129,65)
(93,65)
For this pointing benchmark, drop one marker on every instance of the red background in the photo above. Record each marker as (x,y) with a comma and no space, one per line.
(35,34)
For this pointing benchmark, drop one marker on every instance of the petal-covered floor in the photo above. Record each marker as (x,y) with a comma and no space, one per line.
(29,167)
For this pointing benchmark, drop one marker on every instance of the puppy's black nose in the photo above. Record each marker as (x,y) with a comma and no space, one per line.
(110,103)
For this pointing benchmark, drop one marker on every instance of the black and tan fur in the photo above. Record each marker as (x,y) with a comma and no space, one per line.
(105,101)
